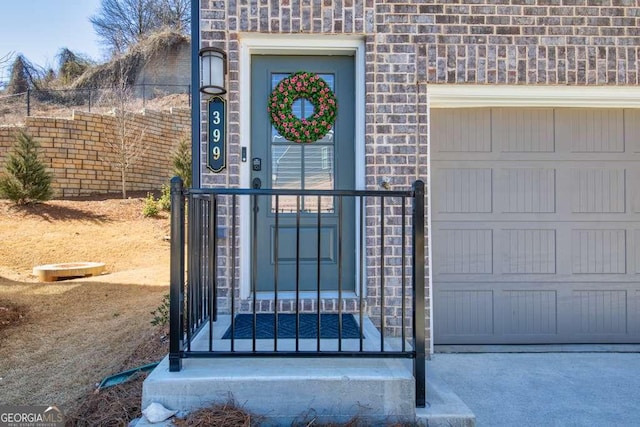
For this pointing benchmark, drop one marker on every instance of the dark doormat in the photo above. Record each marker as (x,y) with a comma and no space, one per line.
(287,326)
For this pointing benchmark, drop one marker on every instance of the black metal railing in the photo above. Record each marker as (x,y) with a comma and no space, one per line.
(384,292)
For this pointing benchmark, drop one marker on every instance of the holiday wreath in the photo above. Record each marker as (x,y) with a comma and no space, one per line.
(313,88)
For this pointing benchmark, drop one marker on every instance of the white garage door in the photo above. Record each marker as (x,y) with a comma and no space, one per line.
(536,225)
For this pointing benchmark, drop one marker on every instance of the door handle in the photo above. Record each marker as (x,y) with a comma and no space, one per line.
(257,183)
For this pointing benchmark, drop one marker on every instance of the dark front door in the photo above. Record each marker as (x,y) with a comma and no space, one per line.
(326,164)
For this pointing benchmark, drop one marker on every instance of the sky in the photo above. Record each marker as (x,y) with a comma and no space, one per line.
(38,29)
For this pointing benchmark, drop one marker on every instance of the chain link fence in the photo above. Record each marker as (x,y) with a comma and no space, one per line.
(61,102)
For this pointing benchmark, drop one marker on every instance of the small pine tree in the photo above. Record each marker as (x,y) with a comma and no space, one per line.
(26,179)
(164,202)
(150,208)
(181,161)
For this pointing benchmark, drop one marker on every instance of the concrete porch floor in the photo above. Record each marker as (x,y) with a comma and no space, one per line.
(284,390)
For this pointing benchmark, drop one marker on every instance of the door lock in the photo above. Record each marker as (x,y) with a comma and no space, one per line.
(257,183)
(256,164)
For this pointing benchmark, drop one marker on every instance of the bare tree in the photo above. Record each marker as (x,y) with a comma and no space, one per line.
(126,145)
(5,59)
(122,23)
(174,14)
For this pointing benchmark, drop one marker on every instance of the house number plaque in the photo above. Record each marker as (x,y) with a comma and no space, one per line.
(217,147)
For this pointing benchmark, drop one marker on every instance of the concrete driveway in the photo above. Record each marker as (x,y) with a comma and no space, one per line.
(544,389)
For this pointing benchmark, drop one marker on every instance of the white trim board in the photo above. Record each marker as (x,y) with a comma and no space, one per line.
(467,96)
(296,44)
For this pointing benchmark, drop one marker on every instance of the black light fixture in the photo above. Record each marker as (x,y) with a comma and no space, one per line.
(213,68)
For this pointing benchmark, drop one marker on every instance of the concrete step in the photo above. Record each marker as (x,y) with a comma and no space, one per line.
(283,390)
(444,408)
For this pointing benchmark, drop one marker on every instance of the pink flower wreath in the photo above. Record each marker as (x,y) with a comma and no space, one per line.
(313,88)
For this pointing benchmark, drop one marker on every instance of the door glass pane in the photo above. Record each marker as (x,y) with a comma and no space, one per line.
(286,167)
(318,175)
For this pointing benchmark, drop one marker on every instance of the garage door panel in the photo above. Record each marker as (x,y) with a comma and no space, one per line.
(464,251)
(632,130)
(600,312)
(597,251)
(534,313)
(527,251)
(633,176)
(591,130)
(556,257)
(522,130)
(464,190)
(530,312)
(467,130)
(528,190)
(599,190)
(634,313)
(635,235)
(465,313)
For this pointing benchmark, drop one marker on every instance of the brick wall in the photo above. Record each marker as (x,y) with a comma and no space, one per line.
(76,150)
(411,44)
(575,42)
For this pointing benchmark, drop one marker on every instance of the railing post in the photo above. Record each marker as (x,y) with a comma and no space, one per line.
(176,291)
(419,368)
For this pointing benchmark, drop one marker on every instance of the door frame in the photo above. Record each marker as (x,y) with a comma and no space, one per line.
(280,44)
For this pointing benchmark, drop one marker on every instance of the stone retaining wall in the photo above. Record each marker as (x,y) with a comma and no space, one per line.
(77,150)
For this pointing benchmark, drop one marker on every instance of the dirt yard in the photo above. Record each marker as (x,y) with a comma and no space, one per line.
(57,340)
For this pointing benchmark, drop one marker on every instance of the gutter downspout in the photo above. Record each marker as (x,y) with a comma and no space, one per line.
(195,94)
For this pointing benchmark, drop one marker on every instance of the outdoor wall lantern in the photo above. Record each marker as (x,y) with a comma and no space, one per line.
(213,68)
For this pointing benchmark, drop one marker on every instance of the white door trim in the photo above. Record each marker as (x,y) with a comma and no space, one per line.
(297,44)
(466,96)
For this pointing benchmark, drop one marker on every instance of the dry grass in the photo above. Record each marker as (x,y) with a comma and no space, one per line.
(13,111)
(11,315)
(77,332)
(112,231)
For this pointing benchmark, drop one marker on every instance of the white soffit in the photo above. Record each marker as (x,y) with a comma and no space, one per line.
(301,44)
(461,96)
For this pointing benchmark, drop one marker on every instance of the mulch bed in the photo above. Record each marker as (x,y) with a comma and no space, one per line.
(117,405)
(225,415)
